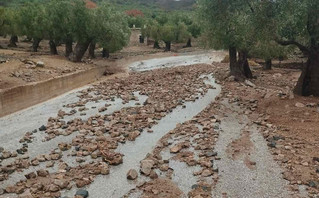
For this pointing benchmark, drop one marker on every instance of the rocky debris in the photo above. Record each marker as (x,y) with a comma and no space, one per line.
(132,174)
(146,166)
(112,158)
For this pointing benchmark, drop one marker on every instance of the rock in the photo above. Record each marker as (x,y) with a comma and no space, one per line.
(176,149)
(42,128)
(52,188)
(30,175)
(1,191)
(132,174)
(61,183)
(299,105)
(206,173)
(10,189)
(105,169)
(82,193)
(42,173)
(316,159)
(153,175)
(133,135)
(112,158)
(211,154)
(249,83)
(146,166)
(40,64)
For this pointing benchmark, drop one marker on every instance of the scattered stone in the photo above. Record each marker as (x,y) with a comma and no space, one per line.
(299,105)
(146,167)
(40,64)
(132,174)
(82,193)
(30,175)
(42,128)
(42,173)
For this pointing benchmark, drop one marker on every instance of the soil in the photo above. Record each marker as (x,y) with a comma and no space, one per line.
(294,128)
(15,72)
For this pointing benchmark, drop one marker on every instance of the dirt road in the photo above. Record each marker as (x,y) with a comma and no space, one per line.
(162,132)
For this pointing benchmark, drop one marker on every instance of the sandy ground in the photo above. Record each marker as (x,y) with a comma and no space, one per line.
(186,135)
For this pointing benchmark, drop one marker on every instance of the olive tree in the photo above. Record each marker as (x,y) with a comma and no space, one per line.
(110,30)
(33,23)
(58,13)
(297,24)
(228,25)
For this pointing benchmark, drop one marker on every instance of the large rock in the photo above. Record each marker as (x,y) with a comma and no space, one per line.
(146,166)
(82,193)
(42,173)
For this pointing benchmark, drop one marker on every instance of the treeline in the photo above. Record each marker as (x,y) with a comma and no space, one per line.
(67,21)
(263,29)
(171,27)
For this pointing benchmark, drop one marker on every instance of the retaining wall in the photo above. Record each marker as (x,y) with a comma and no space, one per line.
(21,97)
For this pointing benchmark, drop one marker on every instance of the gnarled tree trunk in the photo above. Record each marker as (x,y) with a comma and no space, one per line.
(268,64)
(53,49)
(35,44)
(105,53)
(79,51)
(156,45)
(167,46)
(68,47)
(308,83)
(239,68)
(13,41)
(92,49)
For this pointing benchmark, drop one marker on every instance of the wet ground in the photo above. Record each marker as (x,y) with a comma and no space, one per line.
(235,172)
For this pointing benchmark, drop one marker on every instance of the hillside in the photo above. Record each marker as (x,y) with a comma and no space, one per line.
(164,4)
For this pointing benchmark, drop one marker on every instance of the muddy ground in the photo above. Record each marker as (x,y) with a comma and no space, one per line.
(185,131)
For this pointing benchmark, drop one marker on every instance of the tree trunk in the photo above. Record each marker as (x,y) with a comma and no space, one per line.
(308,83)
(92,50)
(167,46)
(79,51)
(239,68)
(268,64)
(156,45)
(105,53)
(68,47)
(233,60)
(35,44)
(189,43)
(53,49)
(244,65)
(13,41)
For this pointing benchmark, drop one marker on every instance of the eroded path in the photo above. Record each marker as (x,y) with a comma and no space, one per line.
(167,124)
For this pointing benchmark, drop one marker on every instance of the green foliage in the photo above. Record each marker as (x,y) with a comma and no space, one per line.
(59,20)
(33,22)
(110,29)
(226,22)
(138,21)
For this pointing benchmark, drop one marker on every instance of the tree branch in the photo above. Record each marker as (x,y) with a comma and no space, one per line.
(302,48)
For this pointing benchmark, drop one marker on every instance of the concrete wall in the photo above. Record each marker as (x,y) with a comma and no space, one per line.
(18,98)
(135,37)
